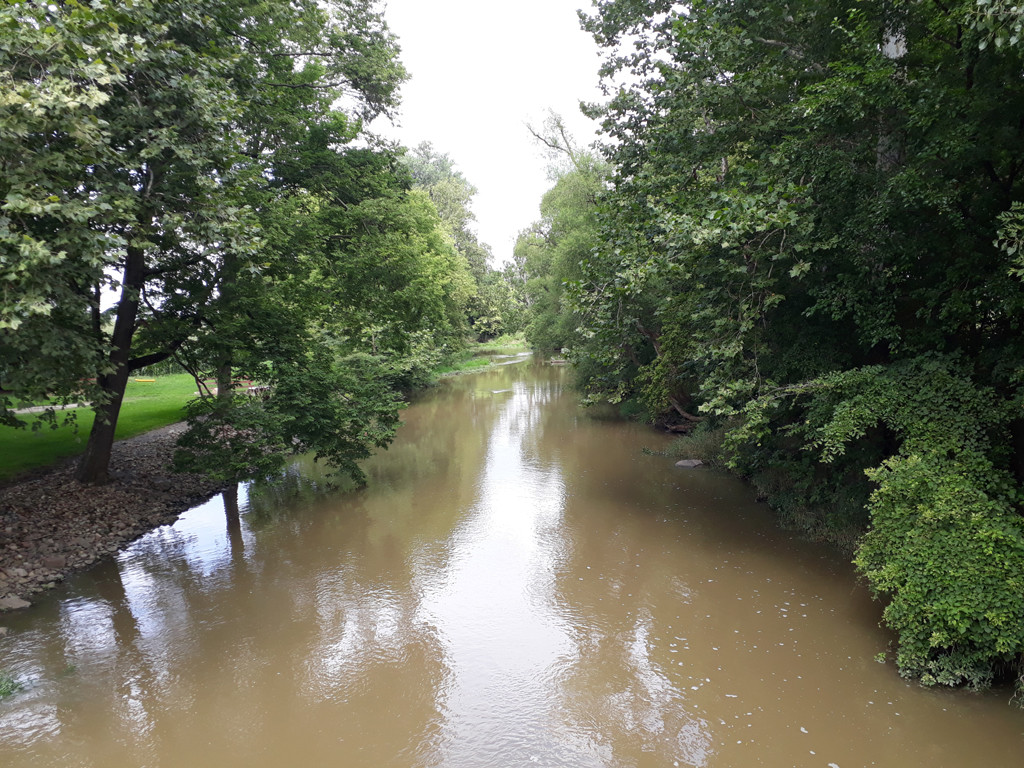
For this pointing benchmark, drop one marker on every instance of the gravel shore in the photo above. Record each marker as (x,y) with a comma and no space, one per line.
(50,525)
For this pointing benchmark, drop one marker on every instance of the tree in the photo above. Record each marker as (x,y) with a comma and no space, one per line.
(323,327)
(56,72)
(355,291)
(551,251)
(810,242)
(174,195)
(213,108)
(489,309)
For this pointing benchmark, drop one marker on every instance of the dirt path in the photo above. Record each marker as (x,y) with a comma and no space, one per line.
(50,525)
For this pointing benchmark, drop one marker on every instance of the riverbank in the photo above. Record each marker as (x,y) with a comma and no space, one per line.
(52,526)
(486,354)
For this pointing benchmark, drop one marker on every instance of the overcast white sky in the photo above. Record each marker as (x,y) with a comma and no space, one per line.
(481,70)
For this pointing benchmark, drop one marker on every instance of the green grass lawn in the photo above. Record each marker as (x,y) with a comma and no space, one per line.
(147,405)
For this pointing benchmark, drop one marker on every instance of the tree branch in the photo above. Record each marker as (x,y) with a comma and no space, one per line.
(688,416)
(154,357)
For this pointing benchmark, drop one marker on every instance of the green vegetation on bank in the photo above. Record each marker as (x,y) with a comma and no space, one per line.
(506,343)
(549,254)
(806,252)
(466,364)
(475,356)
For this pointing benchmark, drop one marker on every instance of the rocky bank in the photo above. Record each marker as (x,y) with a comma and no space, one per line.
(50,525)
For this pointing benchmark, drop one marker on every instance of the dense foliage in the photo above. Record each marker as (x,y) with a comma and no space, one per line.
(493,308)
(205,166)
(547,254)
(813,243)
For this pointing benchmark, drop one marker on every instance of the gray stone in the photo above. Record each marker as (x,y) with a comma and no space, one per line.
(690,463)
(13,603)
(54,562)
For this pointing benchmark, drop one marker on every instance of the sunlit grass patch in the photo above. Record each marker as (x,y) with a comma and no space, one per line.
(508,342)
(147,405)
(465,365)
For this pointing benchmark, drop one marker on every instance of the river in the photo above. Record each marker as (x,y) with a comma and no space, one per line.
(520,585)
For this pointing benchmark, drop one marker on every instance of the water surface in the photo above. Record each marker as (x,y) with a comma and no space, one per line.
(519,585)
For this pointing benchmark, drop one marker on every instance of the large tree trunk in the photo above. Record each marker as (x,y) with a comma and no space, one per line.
(225,384)
(95,464)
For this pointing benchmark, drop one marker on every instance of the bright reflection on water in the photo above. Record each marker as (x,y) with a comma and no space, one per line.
(519,585)
(495,606)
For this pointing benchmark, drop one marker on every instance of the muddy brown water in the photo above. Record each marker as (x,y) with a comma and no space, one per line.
(520,585)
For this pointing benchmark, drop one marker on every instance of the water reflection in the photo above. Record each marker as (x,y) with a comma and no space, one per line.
(519,585)
(494,603)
